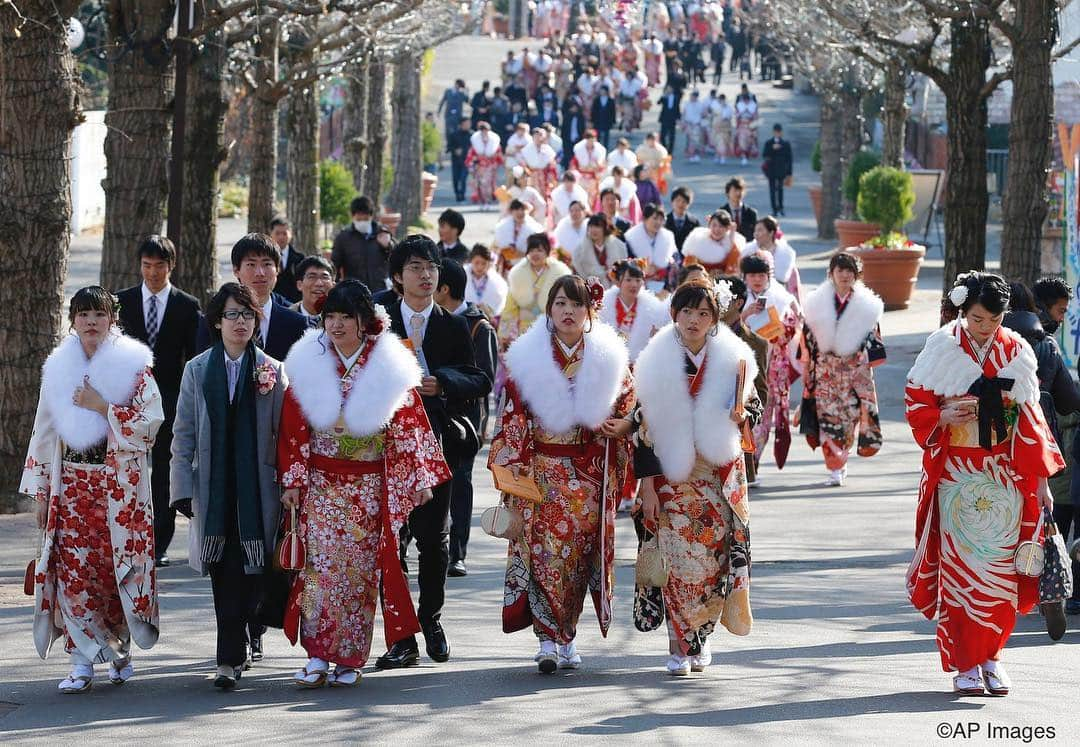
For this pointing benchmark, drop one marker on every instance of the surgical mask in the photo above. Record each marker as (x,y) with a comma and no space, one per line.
(363,226)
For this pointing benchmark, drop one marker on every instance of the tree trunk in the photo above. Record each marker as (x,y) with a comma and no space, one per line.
(302,119)
(264,131)
(894,115)
(39,109)
(137,142)
(406,193)
(197,267)
(851,134)
(1024,204)
(966,199)
(376,130)
(355,118)
(832,171)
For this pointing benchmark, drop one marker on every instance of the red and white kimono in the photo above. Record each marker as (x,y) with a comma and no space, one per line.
(590,163)
(783,349)
(975,503)
(359,446)
(540,165)
(629,205)
(718,257)
(637,324)
(746,137)
(555,403)
(94,582)
(654,53)
(483,160)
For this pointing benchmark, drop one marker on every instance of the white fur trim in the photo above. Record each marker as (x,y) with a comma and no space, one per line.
(547,392)
(681,427)
(945,369)
(378,390)
(113,372)
(846,335)
(488,150)
(783,257)
(652,315)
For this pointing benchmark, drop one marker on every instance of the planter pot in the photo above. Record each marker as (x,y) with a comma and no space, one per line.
(815,202)
(891,273)
(854,232)
(391,221)
(430,182)
(501,25)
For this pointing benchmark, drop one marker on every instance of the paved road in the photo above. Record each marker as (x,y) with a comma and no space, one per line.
(837,655)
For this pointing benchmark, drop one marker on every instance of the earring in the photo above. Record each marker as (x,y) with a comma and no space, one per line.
(589,328)
(550,326)
(714,331)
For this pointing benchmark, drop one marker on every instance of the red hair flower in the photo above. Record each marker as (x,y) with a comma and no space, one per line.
(596,290)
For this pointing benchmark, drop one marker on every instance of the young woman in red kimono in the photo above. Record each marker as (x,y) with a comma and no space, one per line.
(87,468)
(973,404)
(356,454)
(568,396)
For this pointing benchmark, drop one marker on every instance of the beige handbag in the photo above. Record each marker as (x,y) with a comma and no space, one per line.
(500,521)
(1030,557)
(651,569)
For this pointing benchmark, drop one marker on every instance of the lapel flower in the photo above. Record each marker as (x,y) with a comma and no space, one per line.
(265,378)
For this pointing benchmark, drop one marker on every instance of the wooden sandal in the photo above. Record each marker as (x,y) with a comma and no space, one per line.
(301,678)
(80,683)
(351,675)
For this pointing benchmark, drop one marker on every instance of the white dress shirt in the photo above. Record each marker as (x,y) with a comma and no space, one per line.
(162,297)
(407,315)
(264,325)
(233,367)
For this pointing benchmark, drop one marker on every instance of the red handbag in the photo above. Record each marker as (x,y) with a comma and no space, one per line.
(28,579)
(291,554)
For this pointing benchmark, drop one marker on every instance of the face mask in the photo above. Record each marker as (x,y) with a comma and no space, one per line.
(363,226)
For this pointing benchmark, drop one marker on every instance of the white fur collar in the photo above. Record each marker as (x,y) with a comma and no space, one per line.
(652,314)
(945,369)
(547,392)
(378,389)
(846,335)
(487,149)
(113,372)
(681,427)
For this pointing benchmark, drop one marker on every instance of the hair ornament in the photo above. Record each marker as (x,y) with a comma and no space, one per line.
(596,291)
(724,294)
(958,295)
(379,322)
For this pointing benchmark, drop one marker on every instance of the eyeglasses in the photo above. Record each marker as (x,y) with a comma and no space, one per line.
(233,314)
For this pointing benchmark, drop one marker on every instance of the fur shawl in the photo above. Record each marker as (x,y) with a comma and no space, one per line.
(783,257)
(113,371)
(947,370)
(522,285)
(844,335)
(652,314)
(488,149)
(699,244)
(378,389)
(679,426)
(547,392)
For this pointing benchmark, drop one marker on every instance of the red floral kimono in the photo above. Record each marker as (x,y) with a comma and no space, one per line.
(977,495)
(358,445)
(95,582)
(554,405)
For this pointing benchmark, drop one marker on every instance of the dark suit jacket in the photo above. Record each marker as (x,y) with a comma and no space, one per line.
(669,115)
(175,344)
(570,122)
(552,117)
(746,221)
(460,252)
(689,224)
(777,158)
(603,115)
(286,327)
(486,349)
(286,280)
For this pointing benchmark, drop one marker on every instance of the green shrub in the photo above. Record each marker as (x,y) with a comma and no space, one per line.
(387,176)
(862,162)
(336,190)
(886,197)
(232,200)
(815,157)
(431,142)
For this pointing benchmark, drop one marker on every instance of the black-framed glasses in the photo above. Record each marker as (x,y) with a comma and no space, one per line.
(233,314)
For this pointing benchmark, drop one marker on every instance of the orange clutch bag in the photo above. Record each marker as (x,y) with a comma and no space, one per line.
(291,554)
(772,328)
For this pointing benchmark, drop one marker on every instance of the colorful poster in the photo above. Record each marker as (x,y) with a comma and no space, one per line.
(1069,334)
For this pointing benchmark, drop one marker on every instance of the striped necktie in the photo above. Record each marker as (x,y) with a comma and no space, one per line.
(152,322)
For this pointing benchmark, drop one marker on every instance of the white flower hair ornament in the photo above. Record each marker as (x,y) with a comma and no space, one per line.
(724,295)
(958,295)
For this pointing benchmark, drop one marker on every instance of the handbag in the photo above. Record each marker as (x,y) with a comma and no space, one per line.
(1056,581)
(30,577)
(651,569)
(291,553)
(502,522)
(460,440)
(1030,557)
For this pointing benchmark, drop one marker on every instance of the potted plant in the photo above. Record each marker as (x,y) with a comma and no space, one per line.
(851,231)
(815,189)
(890,260)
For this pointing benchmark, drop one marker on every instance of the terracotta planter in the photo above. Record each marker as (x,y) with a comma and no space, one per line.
(854,232)
(501,25)
(391,221)
(815,201)
(891,273)
(430,182)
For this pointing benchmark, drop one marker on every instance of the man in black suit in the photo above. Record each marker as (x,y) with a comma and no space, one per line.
(451,296)
(777,167)
(573,129)
(458,143)
(281,233)
(516,92)
(745,217)
(451,380)
(603,115)
(669,117)
(680,221)
(255,260)
(167,320)
(451,225)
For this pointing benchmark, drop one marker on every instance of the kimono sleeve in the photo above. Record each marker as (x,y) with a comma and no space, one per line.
(512,443)
(508,322)
(134,427)
(39,456)
(414,459)
(293,446)
(1035,453)
(923,412)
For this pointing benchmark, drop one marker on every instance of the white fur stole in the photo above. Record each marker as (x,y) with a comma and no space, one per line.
(846,334)
(652,315)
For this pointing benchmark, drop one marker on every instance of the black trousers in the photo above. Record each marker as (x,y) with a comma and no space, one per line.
(460,176)
(429,525)
(667,136)
(235,596)
(604,136)
(776,194)
(164,514)
(461,506)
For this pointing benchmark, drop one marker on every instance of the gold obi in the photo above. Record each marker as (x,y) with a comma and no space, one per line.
(966,436)
(338,443)
(573,437)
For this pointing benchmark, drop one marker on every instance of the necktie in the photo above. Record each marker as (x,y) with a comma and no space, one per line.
(259,342)
(416,335)
(233,369)
(151,322)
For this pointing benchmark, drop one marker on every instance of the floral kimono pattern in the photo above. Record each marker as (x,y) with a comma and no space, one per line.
(484,170)
(976,503)
(781,373)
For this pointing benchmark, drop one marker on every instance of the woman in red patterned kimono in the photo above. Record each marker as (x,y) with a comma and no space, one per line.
(87,468)
(564,423)
(973,404)
(356,454)
(689,457)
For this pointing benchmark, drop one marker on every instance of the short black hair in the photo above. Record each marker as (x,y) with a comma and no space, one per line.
(536,240)
(1020,298)
(350,297)
(1050,290)
(735,182)
(723,217)
(752,263)
(279,220)
(313,260)
(984,288)
(516,204)
(627,267)
(846,261)
(481,250)
(414,245)
(684,192)
(652,209)
(156,246)
(216,308)
(452,275)
(610,191)
(453,218)
(361,205)
(93,298)
(257,244)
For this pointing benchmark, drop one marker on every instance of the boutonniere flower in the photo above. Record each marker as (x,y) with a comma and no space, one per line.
(265,378)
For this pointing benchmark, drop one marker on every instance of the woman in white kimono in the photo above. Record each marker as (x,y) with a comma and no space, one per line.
(485,287)
(88,469)
(767,238)
(650,241)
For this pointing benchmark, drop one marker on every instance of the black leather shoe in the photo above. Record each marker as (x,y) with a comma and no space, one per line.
(401,654)
(162,562)
(438,648)
(457,569)
(256,648)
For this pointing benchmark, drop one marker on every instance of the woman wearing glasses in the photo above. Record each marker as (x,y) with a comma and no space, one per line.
(222,472)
